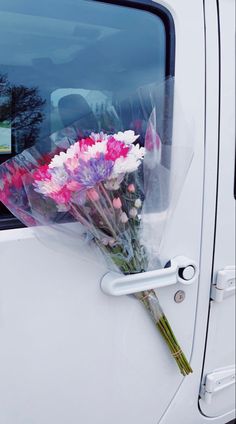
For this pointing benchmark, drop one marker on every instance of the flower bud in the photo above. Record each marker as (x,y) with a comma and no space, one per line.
(124,218)
(117,203)
(133,212)
(138,203)
(105,241)
(111,242)
(73,186)
(112,184)
(93,195)
(131,188)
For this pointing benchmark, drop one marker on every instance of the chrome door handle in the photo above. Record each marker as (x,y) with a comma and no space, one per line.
(182,270)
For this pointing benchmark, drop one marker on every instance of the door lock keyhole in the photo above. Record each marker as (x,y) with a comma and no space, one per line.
(179,296)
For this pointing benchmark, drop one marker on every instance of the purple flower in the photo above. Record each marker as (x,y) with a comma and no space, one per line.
(91,172)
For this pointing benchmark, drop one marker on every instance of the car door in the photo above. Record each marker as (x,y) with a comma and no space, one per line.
(215,387)
(69,353)
(218,385)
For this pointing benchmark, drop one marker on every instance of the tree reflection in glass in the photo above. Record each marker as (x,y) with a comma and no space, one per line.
(21,108)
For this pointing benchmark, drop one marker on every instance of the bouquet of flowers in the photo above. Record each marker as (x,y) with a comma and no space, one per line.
(105,184)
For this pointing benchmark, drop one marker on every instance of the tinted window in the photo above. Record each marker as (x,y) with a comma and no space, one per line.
(73,63)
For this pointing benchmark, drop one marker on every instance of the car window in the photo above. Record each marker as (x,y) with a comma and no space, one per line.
(75,63)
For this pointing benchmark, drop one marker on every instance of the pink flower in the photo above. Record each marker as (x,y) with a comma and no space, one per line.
(72,163)
(131,188)
(115,149)
(42,173)
(85,143)
(14,176)
(16,180)
(62,196)
(93,195)
(4,195)
(152,140)
(117,203)
(73,186)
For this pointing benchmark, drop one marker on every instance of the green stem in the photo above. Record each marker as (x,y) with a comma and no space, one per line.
(104,218)
(176,342)
(151,303)
(174,347)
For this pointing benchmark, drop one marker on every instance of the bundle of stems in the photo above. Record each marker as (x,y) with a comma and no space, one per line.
(150,300)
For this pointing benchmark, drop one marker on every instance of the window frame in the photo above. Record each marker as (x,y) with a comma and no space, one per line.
(10,222)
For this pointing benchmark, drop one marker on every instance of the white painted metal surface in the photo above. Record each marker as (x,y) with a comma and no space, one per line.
(224,285)
(184,406)
(220,350)
(70,354)
(215,382)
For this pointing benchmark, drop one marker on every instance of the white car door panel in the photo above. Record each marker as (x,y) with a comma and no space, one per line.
(220,347)
(69,353)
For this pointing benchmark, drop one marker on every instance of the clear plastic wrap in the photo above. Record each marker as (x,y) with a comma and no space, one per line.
(116,191)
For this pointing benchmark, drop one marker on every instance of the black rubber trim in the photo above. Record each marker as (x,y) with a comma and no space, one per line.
(235,174)
(167,19)
(10,222)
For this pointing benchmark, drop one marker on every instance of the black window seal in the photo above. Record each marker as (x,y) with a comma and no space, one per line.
(235,174)
(10,222)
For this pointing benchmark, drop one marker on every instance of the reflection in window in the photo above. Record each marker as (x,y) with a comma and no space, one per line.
(77,63)
(85,110)
(5,121)
(20,115)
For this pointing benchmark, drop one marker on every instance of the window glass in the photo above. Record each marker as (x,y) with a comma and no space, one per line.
(73,62)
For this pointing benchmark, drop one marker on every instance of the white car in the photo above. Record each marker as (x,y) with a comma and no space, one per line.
(70,354)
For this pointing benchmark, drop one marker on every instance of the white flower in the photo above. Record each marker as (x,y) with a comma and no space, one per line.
(137,151)
(98,136)
(73,150)
(59,176)
(123,165)
(130,163)
(133,212)
(47,187)
(138,203)
(124,218)
(128,137)
(114,183)
(58,160)
(99,147)
(58,180)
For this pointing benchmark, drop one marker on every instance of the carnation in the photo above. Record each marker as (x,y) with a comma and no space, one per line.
(130,163)
(128,137)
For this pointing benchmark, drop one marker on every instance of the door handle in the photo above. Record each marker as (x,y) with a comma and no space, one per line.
(181,270)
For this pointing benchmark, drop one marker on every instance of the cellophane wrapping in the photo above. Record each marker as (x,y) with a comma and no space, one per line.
(113,192)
